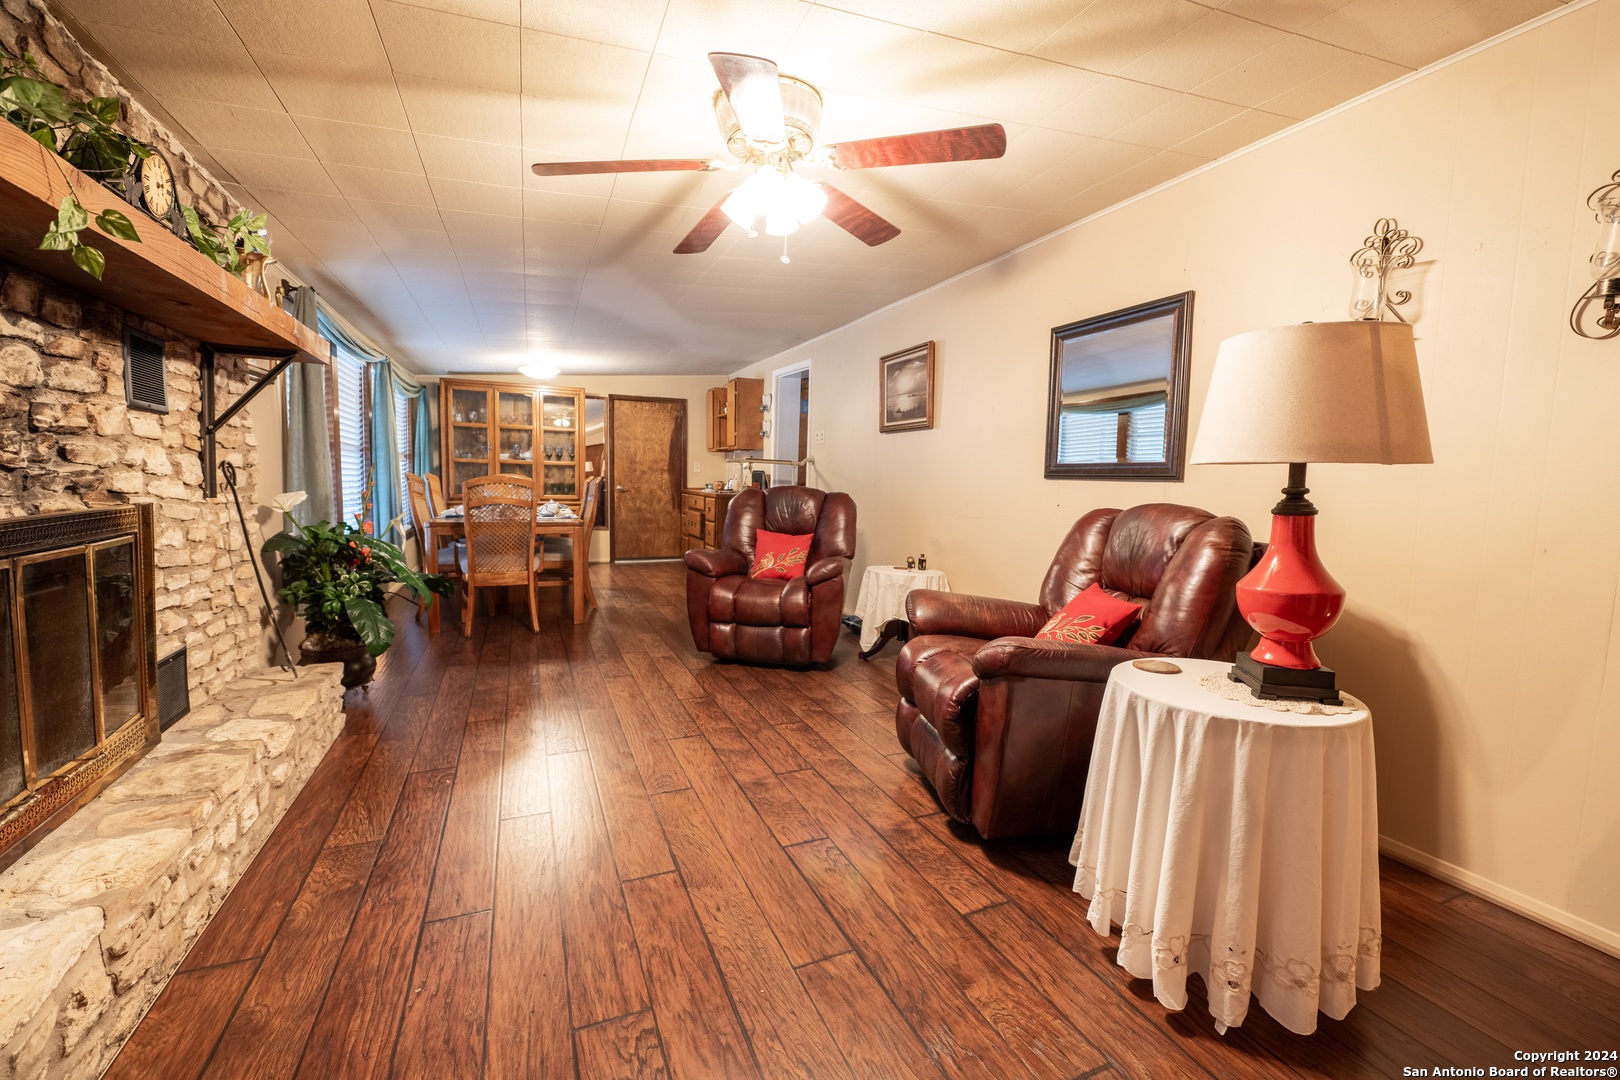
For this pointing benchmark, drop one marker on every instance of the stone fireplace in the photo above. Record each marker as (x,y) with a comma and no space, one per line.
(78,701)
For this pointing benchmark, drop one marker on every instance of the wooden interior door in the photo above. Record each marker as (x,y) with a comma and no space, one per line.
(646,464)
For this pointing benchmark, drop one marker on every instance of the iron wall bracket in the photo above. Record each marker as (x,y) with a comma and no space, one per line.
(210,423)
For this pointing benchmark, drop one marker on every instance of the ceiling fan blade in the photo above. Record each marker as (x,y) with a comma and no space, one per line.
(857,220)
(751,85)
(585,168)
(706,231)
(952,144)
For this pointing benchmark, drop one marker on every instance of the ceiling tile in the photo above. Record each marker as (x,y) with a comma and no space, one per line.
(694,28)
(1273,71)
(1176,122)
(337,31)
(229,74)
(376,185)
(675,117)
(449,48)
(562,206)
(496,11)
(477,198)
(459,159)
(1039,149)
(360,144)
(1030,90)
(461,111)
(220,126)
(396,215)
(1458,29)
(1363,25)
(1203,50)
(1005,24)
(632,24)
(287,205)
(1109,34)
(1108,107)
(1290,15)
(182,18)
(1242,130)
(1348,80)
(352,92)
(281,173)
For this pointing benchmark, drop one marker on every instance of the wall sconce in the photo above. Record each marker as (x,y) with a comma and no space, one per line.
(1605,264)
(1388,249)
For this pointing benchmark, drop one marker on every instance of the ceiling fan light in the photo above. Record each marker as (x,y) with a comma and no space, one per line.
(805,200)
(539,372)
(758,104)
(740,207)
(780,221)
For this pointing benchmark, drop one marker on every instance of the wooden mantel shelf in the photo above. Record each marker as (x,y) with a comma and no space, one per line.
(161,278)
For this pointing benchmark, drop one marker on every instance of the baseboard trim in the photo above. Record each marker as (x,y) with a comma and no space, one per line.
(1587,933)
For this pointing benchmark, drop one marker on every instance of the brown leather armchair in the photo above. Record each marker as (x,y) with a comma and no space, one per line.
(1002,723)
(796,622)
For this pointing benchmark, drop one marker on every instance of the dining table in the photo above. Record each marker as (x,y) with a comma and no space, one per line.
(445,529)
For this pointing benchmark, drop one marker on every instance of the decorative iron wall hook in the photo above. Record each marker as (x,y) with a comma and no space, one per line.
(1388,249)
(1605,265)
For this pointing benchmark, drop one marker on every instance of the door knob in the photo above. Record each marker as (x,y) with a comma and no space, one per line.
(619,487)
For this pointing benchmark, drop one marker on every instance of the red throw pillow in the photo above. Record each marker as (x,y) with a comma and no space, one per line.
(1092,618)
(780,555)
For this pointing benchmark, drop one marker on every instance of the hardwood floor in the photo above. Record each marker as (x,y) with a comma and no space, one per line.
(594,853)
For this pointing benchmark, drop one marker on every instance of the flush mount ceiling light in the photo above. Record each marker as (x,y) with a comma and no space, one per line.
(769,121)
(540,372)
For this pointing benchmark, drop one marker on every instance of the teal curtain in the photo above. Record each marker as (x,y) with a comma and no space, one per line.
(307,448)
(386,498)
(425,442)
(386,380)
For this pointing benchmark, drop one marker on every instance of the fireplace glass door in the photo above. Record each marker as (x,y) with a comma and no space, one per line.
(76,637)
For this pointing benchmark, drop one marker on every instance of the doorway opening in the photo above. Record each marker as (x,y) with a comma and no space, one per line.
(790,421)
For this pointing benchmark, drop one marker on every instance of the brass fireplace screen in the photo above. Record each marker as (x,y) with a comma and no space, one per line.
(78,701)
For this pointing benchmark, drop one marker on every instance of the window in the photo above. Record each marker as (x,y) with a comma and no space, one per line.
(403,442)
(1145,437)
(1089,436)
(351,434)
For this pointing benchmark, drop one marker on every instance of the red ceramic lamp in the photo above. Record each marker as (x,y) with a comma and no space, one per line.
(1317,392)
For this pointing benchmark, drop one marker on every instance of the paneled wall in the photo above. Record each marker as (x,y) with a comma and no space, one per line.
(1481,619)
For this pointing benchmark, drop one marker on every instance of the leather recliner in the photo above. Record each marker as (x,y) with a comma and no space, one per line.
(1002,723)
(795,623)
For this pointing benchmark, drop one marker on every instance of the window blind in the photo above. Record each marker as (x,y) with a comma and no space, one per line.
(403,444)
(1088,437)
(349,371)
(1146,437)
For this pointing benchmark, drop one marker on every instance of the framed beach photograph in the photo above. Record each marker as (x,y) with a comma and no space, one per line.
(906,389)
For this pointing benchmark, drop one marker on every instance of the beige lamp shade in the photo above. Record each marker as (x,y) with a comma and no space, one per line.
(1338,391)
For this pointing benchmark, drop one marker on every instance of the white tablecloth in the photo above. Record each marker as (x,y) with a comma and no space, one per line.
(883,596)
(1234,841)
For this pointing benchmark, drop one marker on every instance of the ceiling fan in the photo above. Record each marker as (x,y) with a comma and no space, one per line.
(769,121)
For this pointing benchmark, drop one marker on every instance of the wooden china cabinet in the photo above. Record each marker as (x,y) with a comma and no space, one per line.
(513,428)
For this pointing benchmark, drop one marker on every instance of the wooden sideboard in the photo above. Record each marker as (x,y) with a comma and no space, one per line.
(703,515)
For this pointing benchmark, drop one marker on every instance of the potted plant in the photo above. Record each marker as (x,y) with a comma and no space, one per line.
(333,575)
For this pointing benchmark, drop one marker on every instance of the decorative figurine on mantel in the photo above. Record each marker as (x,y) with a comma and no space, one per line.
(922,562)
(911,562)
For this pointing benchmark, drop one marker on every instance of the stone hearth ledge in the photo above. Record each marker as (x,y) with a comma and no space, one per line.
(97,917)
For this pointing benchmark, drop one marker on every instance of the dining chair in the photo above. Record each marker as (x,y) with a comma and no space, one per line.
(500,540)
(448,561)
(556,553)
(435,490)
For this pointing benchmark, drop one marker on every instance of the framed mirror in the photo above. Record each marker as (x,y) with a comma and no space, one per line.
(1117,407)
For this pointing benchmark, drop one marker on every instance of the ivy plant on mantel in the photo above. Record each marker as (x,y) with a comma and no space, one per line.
(160,276)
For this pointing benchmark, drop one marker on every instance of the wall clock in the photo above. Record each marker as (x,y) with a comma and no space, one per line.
(153,183)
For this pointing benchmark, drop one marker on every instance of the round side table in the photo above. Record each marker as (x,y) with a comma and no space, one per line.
(882,603)
(1234,840)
